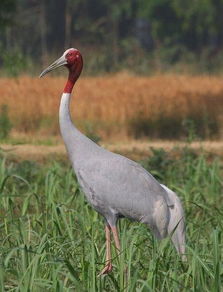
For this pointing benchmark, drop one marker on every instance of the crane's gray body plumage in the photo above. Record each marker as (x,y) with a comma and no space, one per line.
(118,187)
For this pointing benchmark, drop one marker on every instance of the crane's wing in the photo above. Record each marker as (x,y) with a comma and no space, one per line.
(123,186)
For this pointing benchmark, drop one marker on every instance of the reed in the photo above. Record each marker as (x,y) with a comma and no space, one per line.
(52,240)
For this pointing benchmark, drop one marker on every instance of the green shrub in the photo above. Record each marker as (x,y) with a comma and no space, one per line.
(5,123)
(14,63)
(202,126)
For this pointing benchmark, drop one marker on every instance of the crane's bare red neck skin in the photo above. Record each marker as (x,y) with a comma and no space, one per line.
(75,69)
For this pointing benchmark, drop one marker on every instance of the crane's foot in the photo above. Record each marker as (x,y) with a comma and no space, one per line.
(107,269)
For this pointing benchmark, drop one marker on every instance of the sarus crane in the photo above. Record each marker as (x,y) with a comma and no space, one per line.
(114,185)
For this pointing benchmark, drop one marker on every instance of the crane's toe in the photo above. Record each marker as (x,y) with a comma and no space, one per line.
(107,269)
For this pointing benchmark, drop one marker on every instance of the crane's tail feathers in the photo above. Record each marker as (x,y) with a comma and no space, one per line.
(176,226)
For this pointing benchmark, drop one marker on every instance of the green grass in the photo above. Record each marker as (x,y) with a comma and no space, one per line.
(33,140)
(52,240)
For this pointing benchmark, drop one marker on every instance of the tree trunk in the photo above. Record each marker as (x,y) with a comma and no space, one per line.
(43,33)
(55,16)
(68,27)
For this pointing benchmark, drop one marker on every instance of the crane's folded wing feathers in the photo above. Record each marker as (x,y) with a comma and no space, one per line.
(122,185)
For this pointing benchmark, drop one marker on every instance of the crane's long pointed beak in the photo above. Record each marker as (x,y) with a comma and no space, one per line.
(59,62)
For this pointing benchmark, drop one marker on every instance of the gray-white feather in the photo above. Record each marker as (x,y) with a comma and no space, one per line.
(118,187)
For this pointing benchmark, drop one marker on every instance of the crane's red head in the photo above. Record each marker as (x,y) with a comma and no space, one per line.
(72,59)
(72,56)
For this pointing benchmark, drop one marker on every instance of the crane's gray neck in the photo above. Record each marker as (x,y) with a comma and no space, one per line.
(76,143)
(70,134)
(66,125)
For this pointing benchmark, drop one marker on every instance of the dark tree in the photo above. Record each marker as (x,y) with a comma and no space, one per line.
(7,9)
(55,21)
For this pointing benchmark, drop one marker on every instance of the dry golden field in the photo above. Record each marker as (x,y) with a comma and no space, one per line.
(116,106)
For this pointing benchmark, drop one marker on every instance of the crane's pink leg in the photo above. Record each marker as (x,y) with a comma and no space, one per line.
(117,242)
(116,238)
(108,267)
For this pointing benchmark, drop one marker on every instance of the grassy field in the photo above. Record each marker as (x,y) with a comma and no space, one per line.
(42,152)
(119,106)
(51,239)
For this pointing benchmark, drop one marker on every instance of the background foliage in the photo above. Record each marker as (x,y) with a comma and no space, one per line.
(138,35)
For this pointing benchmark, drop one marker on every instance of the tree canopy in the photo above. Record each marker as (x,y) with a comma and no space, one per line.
(113,30)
